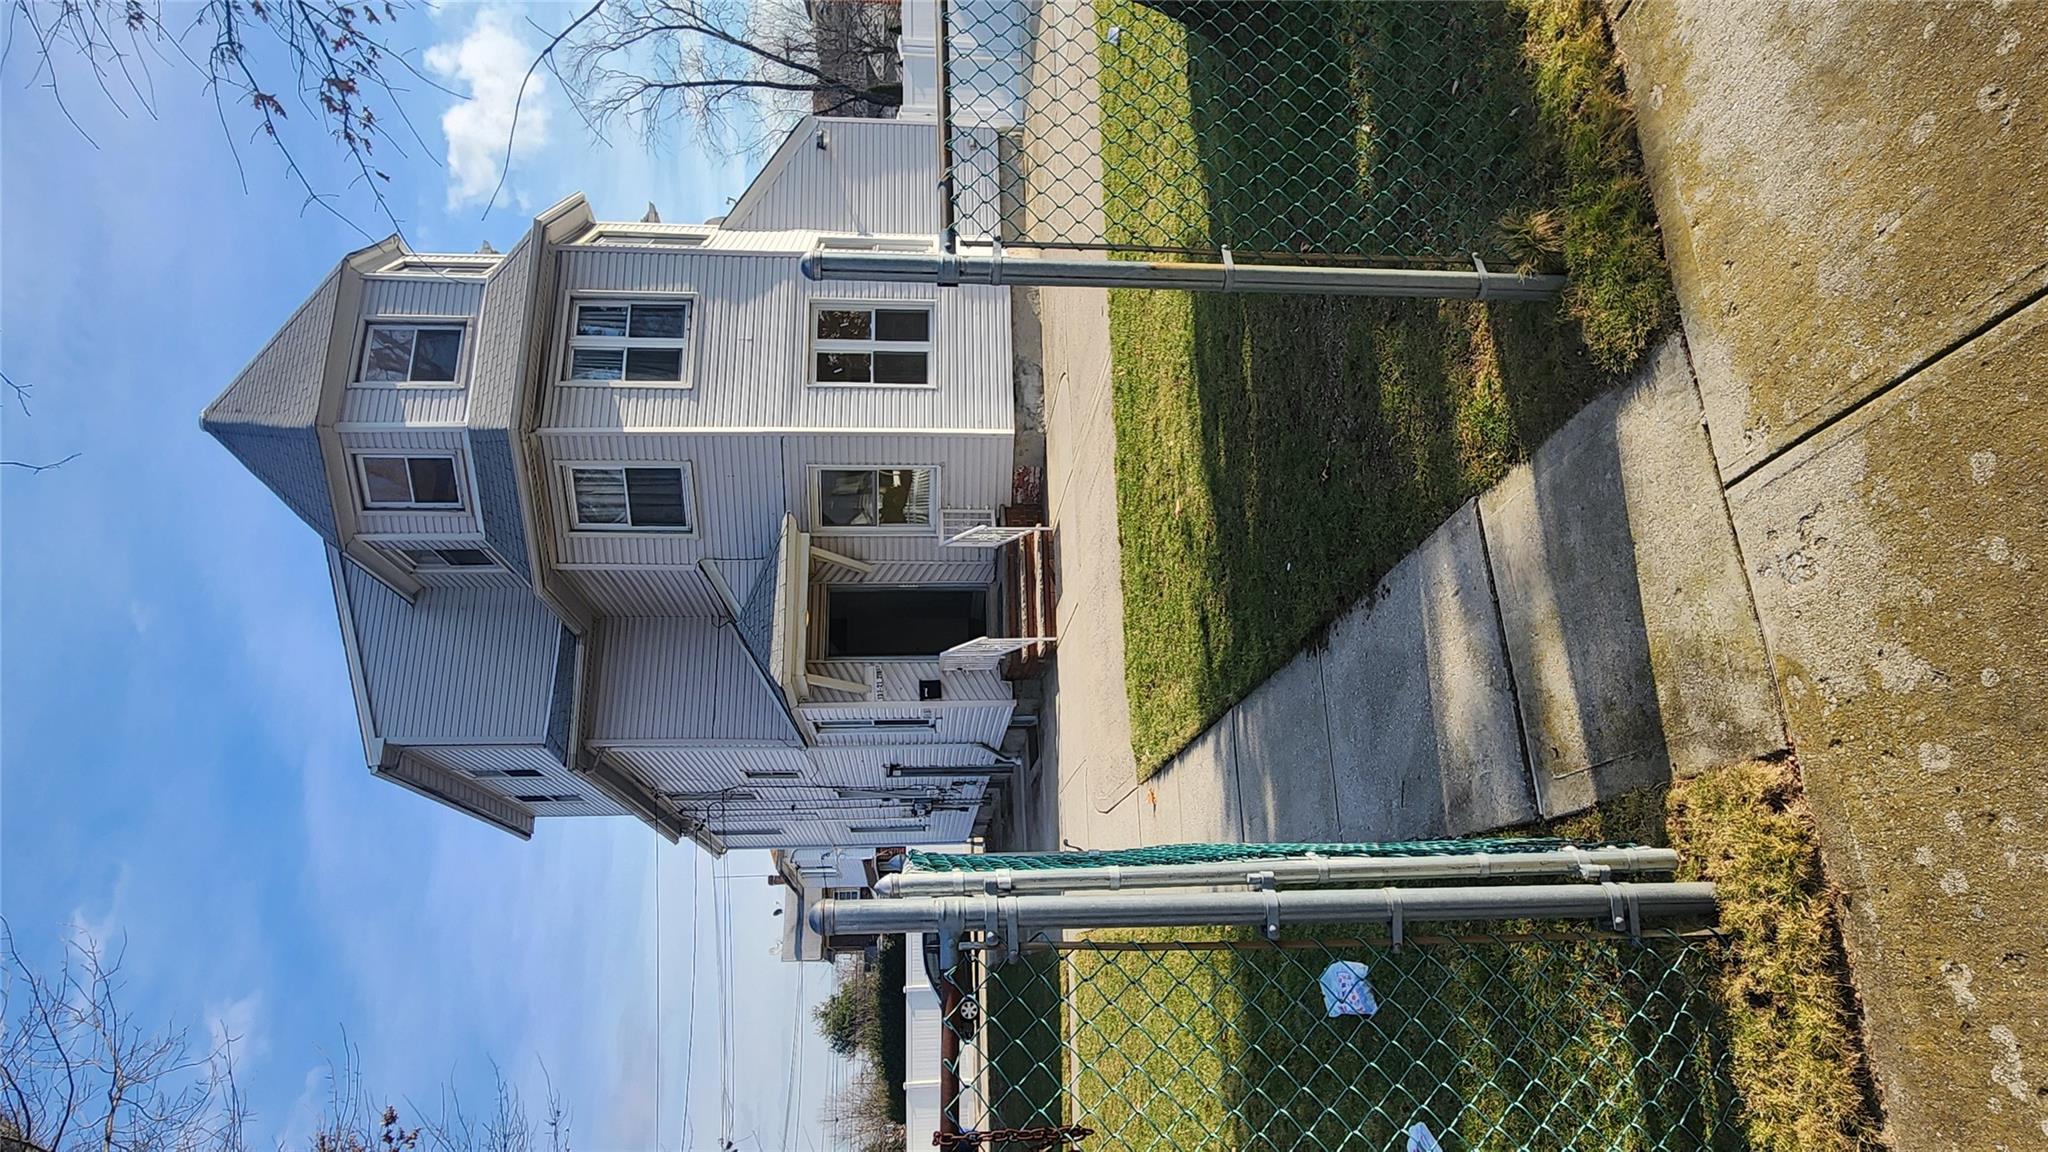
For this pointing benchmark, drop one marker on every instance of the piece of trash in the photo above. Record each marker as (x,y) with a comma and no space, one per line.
(1420,1139)
(1347,991)
(1116,33)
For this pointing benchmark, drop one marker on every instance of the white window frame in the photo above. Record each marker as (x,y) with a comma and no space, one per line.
(576,527)
(363,456)
(820,528)
(457,324)
(813,344)
(571,342)
(655,236)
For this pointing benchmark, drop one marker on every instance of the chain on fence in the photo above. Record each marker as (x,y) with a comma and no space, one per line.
(1381,131)
(1532,1041)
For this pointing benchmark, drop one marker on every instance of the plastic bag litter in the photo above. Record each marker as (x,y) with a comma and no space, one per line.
(1421,1140)
(1347,991)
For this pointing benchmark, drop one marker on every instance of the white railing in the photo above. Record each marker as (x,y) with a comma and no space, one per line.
(977,528)
(985,653)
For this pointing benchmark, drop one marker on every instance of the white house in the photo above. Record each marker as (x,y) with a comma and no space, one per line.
(635,518)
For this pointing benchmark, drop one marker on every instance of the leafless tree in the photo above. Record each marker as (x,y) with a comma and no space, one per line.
(736,70)
(77,1072)
(329,60)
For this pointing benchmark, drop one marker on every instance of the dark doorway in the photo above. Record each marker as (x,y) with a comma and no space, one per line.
(880,622)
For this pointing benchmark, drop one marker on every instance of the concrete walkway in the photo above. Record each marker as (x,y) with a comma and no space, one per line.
(1581,630)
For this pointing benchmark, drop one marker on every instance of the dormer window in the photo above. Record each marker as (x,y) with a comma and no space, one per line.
(411,354)
(408,482)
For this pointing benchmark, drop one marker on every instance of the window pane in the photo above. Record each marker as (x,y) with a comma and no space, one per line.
(384,480)
(600,495)
(435,356)
(425,558)
(841,367)
(904,324)
(464,557)
(596,364)
(654,364)
(433,480)
(601,320)
(659,321)
(846,499)
(906,496)
(836,324)
(389,356)
(901,368)
(656,496)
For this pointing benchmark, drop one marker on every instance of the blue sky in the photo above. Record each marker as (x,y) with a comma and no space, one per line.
(182,772)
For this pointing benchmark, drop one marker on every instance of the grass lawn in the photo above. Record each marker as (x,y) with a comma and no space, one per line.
(1744,1041)
(1276,455)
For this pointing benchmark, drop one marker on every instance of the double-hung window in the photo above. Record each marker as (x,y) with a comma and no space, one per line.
(618,498)
(411,354)
(642,342)
(875,499)
(856,344)
(408,482)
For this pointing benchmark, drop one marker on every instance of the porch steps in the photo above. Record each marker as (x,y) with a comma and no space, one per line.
(1030,598)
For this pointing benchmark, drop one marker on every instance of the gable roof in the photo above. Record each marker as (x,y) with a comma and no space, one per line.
(873,177)
(269,416)
(266,417)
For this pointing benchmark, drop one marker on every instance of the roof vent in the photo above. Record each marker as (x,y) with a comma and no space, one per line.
(652,217)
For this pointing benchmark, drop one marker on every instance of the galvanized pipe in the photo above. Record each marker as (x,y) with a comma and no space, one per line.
(1585,863)
(1025,917)
(947,268)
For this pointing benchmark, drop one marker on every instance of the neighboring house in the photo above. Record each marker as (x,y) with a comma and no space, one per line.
(855,45)
(635,518)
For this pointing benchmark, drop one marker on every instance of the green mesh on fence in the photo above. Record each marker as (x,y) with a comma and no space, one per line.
(1218,853)
(1531,1042)
(1383,130)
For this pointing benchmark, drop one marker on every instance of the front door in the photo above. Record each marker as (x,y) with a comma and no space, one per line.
(876,622)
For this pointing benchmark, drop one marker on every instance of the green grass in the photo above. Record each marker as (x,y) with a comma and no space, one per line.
(1277,455)
(1743,1042)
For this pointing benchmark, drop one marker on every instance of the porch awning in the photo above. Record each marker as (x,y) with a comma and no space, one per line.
(772,619)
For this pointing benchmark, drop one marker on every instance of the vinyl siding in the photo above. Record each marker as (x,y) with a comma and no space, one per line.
(750,349)
(664,679)
(459,666)
(479,763)
(743,483)
(423,525)
(870,177)
(458,791)
(413,297)
(954,722)
(900,680)
(494,382)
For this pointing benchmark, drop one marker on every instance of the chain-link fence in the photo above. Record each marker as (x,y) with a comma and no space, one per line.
(1284,131)
(1539,1040)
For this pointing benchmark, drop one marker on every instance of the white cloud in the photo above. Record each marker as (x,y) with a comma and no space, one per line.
(239,1022)
(488,63)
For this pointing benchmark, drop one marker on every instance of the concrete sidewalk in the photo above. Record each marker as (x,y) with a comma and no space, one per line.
(1855,203)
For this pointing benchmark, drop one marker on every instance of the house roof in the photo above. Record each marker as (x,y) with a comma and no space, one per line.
(266,417)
